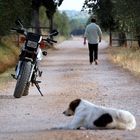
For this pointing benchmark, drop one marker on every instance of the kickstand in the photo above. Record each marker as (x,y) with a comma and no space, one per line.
(38,87)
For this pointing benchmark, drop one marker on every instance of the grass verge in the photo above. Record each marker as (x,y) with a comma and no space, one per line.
(8,53)
(128,58)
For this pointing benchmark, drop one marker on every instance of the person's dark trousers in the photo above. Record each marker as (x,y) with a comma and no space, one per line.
(93,52)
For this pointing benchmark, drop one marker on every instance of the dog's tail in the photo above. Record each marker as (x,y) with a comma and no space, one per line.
(126,120)
(132,123)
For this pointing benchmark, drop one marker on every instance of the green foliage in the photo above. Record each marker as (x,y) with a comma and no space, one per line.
(42,17)
(77,21)
(76,24)
(10,10)
(127,13)
(106,15)
(9,53)
(104,10)
(121,15)
(61,22)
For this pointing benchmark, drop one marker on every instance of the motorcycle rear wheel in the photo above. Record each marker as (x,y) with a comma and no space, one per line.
(22,81)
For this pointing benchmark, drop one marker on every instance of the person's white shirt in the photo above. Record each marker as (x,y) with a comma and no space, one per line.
(93,33)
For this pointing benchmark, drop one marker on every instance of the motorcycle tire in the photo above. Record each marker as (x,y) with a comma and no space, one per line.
(22,81)
(26,91)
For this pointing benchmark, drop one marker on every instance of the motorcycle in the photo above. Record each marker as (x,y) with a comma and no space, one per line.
(27,69)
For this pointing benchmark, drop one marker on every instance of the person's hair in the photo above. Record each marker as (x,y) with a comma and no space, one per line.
(93,20)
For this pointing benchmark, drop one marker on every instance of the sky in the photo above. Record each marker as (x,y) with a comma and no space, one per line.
(71,5)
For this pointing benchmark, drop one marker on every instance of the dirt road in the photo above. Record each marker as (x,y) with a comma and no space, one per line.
(67,75)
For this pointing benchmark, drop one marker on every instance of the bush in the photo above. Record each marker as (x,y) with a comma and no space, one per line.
(8,53)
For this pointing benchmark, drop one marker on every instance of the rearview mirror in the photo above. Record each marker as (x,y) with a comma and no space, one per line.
(18,22)
(54,32)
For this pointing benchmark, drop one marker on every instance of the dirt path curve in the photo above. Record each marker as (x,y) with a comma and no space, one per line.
(67,75)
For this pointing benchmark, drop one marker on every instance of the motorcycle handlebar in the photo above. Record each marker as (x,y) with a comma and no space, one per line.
(24,32)
(21,31)
(54,41)
(50,40)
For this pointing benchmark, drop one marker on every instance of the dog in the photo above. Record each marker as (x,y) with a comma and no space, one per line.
(90,116)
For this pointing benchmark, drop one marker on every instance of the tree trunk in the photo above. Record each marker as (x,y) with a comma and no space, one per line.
(122,39)
(51,23)
(110,37)
(36,21)
(138,40)
(138,35)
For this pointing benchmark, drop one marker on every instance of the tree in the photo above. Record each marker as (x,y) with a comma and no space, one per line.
(103,9)
(61,22)
(127,13)
(10,11)
(122,15)
(50,5)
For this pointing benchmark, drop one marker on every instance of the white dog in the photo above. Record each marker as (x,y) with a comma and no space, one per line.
(91,116)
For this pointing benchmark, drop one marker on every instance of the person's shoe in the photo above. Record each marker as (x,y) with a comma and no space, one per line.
(90,63)
(96,62)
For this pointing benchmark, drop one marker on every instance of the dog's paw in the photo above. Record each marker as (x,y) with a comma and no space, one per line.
(57,128)
(54,128)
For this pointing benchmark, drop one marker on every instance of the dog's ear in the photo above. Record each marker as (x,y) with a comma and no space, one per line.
(74,104)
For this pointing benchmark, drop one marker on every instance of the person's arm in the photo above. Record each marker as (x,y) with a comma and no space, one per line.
(100,38)
(100,34)
(85,36)
(85,40)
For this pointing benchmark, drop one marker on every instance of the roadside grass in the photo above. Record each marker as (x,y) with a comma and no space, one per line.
(128,58)
(8,53)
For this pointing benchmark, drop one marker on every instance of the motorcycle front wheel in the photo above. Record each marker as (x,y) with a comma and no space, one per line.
(26,91)
(22,81)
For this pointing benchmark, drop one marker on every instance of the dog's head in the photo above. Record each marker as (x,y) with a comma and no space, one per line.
(72,107)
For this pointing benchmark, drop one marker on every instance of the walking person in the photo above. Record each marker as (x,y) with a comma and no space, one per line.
(93,34)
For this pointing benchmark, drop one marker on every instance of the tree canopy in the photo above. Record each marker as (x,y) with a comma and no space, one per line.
(124,12)
(119,15)
(10,10)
